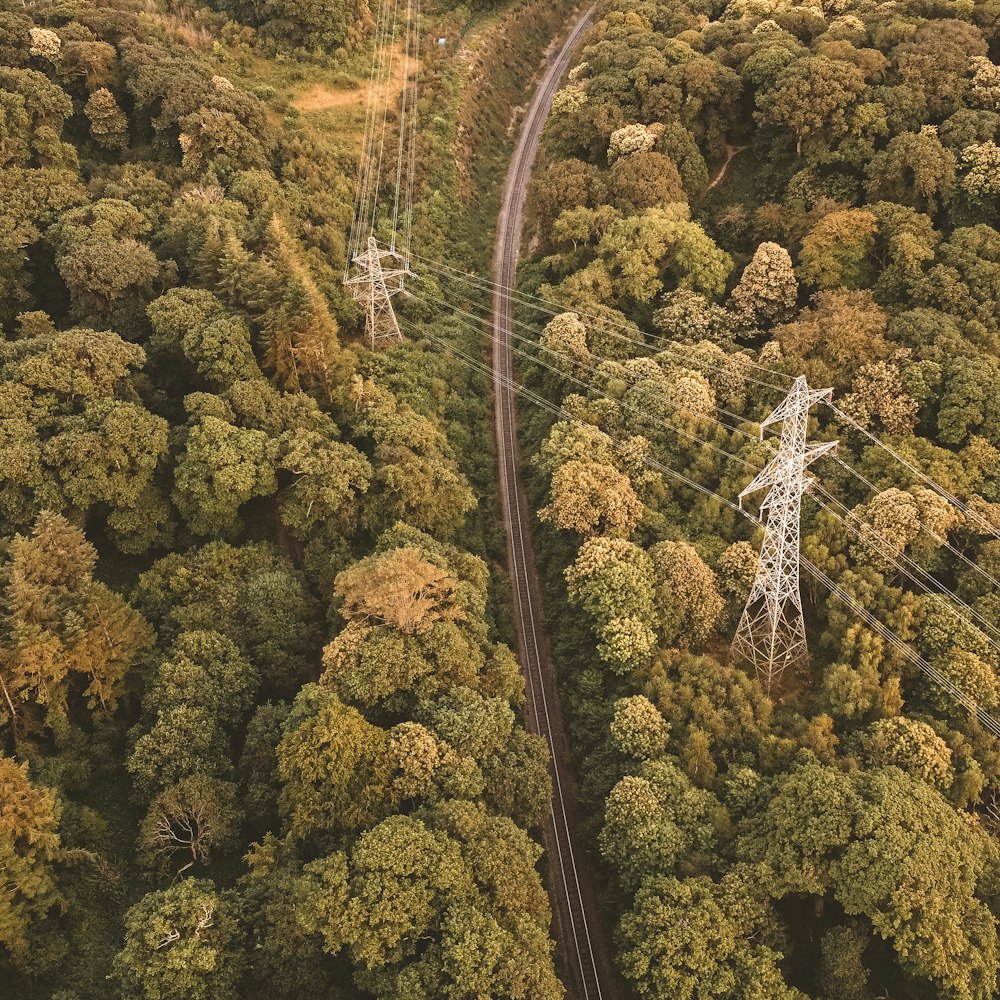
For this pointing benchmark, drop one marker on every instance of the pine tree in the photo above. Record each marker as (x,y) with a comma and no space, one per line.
(298,332)
(29,850)
(58,621)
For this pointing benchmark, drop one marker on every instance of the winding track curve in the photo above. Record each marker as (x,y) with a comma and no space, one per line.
(581,932)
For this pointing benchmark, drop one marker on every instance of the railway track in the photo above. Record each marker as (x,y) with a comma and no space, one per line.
(581,933)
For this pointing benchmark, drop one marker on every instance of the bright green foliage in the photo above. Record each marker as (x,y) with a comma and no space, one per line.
(658,823)
(29,853)
(247,593)
(334,767)
(890,848)
(835,253)
(108,126)
(663,240)
(215,342)
(911,746)
(612,581)
(221,468)
(442,905)
(638,729)
(669,914)
(329,478)
(317,24)
(415,478)
(767,289)
(636,254)
(686,594)
(184,739)
(206,669)
(181,943)
(72,435)
(102,258)
(810,97)
(914,169)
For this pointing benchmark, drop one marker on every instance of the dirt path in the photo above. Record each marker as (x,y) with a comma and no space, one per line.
(720,174)
(581,933)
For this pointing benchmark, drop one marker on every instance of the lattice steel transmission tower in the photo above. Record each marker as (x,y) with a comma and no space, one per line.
(772,632)
(384,195)
(373,285)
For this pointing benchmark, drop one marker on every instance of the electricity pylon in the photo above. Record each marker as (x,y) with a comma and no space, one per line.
(772,632)
(374,285)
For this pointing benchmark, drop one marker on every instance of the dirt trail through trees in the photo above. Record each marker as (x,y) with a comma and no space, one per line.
(720,174)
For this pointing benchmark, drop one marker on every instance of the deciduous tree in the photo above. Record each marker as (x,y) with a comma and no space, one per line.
(767,289)
(655,936)
(589,497)
(837,251)
(181,943)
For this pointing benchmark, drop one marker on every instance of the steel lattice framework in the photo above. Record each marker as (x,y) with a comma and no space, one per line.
(373,285)
(771,633)
(383,201)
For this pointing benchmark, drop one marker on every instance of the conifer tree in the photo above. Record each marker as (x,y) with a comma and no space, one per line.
(29,853)
(60,622)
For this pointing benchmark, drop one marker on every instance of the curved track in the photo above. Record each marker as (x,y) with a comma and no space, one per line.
(581,932)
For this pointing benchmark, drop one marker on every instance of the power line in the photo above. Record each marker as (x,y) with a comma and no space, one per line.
(861,477)
(604,323)
(772,631)
(934,673)
(870,537)
(935,486)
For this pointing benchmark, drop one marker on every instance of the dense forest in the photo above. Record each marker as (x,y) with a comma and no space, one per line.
(259,736)
(746,187)
(263,732)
